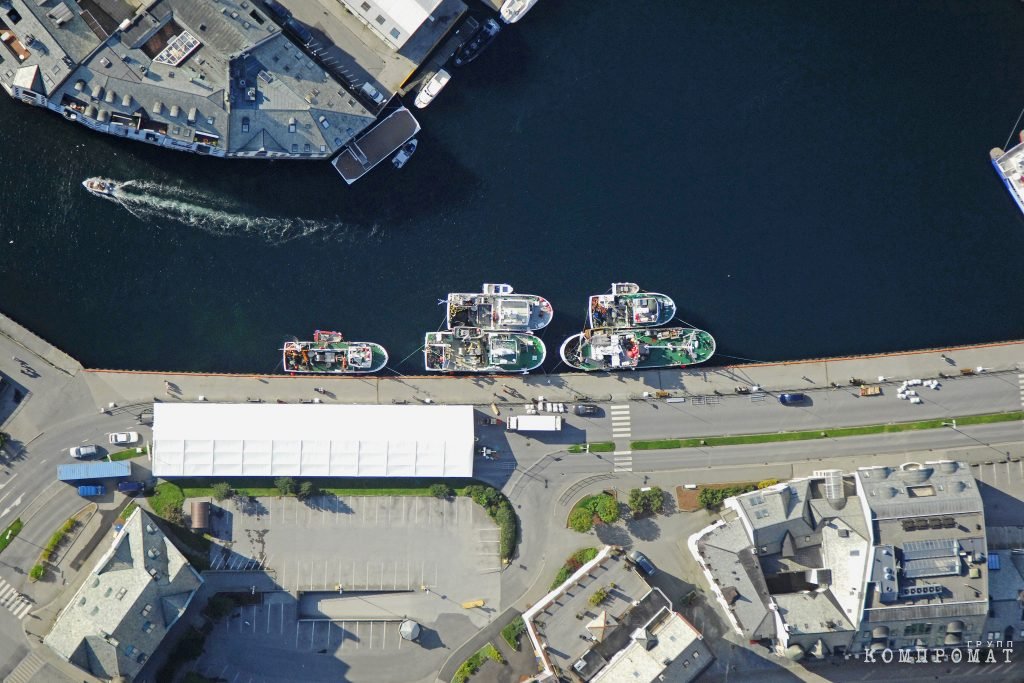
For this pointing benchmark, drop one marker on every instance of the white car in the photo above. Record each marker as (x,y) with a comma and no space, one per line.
(123,438)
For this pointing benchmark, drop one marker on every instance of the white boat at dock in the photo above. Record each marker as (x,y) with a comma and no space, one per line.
(431,88)
(400,159)
(514,10)
(101,187)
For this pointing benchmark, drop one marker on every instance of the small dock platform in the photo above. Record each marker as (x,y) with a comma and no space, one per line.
(375,145)
(1010,167)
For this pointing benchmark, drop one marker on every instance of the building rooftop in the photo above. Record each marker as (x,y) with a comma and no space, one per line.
(127,604)
(247,439)
(666,648)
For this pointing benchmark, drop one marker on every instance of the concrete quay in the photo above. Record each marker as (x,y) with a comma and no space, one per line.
(108,386)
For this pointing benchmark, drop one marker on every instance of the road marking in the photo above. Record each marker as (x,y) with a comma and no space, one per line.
(16,603)
(16,503)
(619,407)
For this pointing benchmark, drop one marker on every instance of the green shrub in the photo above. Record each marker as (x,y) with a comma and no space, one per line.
(575,561)
(599,596)
(286,485)
(514,630)
(710,498)
(442,491)
(307,490)
(508,529)
(37,572)
(581,520)
(222,491)
(608,509)
(766,483)
(646,502)
(492,653)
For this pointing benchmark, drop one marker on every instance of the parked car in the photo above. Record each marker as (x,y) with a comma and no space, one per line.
(645,566)
(583,409)
(792,399)
(123,438)
(81,452)
(131,486)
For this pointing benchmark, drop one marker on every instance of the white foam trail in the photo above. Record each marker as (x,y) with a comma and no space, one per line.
(147,200)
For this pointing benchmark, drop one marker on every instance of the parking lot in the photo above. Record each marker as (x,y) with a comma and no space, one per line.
(391,558)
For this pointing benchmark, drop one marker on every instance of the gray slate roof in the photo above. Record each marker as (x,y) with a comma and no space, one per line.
(120,614)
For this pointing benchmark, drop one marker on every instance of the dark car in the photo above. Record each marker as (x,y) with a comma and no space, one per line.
(645,566)
(583,409)
(131,487)
(792,399)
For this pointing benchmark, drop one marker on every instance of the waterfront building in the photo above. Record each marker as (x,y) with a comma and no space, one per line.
(883,558)
(314,440)
(394,21)
(128,603)
(606,624)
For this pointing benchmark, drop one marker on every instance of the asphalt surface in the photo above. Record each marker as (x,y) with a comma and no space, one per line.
(64,403)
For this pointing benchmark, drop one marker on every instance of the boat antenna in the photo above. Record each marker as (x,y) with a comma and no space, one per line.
(1010,137)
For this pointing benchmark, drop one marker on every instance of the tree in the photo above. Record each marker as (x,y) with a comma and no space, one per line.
(581,520)
(598,597)
(175,515)
(222,491)
(442,491)
(608,509)
(308,490)
(286,485)
(648,502)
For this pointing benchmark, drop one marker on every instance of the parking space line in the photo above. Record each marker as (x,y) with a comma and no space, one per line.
(371,635)
(359,643)
(326,584)
(328,635)
(394,584)
(311,575)
(297,623)
(312,635)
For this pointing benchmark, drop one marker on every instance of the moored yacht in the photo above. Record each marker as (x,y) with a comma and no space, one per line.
(514,10)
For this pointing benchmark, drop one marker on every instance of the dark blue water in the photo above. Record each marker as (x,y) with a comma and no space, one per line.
(805,179)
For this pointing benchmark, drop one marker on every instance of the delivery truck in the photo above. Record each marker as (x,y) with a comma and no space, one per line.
(535,423)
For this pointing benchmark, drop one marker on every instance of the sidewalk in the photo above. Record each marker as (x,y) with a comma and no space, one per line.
(121,387)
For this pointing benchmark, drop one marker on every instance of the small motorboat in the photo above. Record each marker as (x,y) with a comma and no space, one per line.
(435,85)
(100,186)
(469,51)
(404,153)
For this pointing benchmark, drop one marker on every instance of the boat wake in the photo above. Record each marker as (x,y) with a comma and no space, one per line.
(148,200)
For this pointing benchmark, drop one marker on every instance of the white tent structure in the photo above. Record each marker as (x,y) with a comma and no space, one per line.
(311,440)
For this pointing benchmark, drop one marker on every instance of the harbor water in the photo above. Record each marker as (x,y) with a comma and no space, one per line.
(805,179)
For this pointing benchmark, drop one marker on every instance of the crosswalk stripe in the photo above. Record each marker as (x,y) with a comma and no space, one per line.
(622,453)
(22,610)
(6,592)
(618,409)
(620,418)
(8,595)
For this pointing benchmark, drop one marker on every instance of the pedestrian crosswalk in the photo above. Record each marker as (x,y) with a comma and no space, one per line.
(13,601)
(27,669)
(623,461)
(620,421)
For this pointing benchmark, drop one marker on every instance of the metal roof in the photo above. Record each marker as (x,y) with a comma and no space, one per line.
(311,440)
(93,470)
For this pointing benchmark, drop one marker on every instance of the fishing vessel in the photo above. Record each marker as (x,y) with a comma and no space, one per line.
(100,186)
(470,50)
(470,349)
(637,349)
(1010,167)
(627,306)
(498,307)
(330,354)
(513,10)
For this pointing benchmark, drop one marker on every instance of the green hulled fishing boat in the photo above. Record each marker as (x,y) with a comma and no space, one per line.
(632,349)
(330,354)
(470,349)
